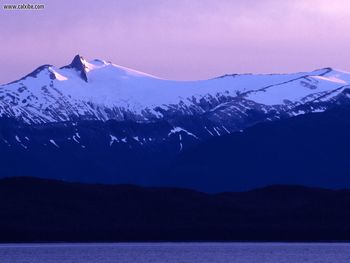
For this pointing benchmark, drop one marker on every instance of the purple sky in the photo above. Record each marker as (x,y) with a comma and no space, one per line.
(179,39)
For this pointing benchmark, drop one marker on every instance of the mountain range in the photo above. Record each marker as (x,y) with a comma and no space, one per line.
(94,121)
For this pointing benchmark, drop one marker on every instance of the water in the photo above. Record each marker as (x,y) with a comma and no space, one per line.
(175,252)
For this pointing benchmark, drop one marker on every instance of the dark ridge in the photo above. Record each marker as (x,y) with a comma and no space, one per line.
(78,65)
(228,75)
(34,74)
(38,210)
(327,70)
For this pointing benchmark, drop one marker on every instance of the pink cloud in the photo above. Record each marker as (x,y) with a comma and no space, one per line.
(184,39)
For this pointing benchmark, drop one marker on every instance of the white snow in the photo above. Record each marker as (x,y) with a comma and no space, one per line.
(331,79)
(75,139)
(111,86)
(8,144)
(180,139)
(54,143)
(216,130)
(226,129)
(298,89)
(179,129)
(205,127)
(58,76)
(113,139)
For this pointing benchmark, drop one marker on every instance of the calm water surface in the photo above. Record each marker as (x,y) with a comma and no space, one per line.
(175,252)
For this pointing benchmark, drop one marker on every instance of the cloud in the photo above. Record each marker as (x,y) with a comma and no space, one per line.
(183,39)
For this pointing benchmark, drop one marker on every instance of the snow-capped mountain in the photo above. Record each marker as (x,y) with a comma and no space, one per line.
(100,90)
(99,122)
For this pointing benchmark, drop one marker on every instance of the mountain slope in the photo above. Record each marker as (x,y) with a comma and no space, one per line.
(100,90)
(89,151)
(310,149)
(99,122)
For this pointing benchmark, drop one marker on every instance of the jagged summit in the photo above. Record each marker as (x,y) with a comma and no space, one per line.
(78,63)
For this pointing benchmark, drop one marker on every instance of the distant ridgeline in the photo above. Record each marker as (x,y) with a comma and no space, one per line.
(36,210)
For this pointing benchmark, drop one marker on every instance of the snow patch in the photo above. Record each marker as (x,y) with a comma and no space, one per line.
(178,130)
(205,127)
(113,139)
(180,139)
(217,132)
(225,129)
(54,143)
